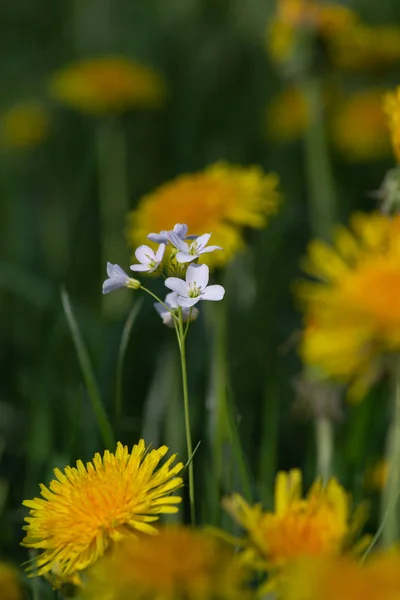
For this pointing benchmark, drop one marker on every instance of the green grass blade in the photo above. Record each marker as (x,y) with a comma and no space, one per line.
(88,374)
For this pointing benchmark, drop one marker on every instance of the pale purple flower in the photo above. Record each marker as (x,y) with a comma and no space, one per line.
(117,279)
(171,301)
(164,236)
(195,287)
(189,252)
(149,259)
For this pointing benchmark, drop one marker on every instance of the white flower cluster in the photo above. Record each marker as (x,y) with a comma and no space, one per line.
(191,284)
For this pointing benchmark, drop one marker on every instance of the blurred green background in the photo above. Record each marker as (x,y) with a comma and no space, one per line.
(219,80)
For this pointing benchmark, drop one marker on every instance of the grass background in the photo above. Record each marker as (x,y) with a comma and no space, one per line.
(212,55)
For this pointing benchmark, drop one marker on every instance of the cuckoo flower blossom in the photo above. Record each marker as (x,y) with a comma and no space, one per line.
(150,260)
(189,252)
(117,278)
(164,236)
(195,287)
(171,302)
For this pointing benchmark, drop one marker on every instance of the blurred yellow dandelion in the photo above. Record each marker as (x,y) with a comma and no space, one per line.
(342,577)
(107,84)
(222,200)
(323,18)
(366,48)
(179,563)
(359,127)
(391,103)
(24,125)
(352,307)
(85,508)
(320,524)
(9,584)
(287,115)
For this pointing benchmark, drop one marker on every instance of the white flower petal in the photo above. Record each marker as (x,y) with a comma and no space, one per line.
(213,292)
(160,253)
(115,283)
(198,274)
(184,257)
(210,249)
(158,238)
(177,242)
(139,267)
(115,271)
(181,230)
(144,254)
(186,302)
(203,241)
(171,300)
(177,285)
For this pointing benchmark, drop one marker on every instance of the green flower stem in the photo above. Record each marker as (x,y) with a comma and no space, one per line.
(390,499)
(322,217)
(176,319)
(182,349)
(320,181)
(113,203)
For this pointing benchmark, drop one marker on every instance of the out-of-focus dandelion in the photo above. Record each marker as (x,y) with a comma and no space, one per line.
(342,577)
(351,310)
(392,108)
(376,476)
(179,563)
(287,115)
(223,199)
(321,524)
(86,508)
(359,127)
(9,584)
(324,19)
(25,125)
(366,48)
(107,84)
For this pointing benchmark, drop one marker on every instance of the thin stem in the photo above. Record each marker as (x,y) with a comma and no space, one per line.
(182,351)
(390,497)
(324,442)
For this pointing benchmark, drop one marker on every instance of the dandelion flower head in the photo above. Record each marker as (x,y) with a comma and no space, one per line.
(107,84)
(323,18)
(85,508)
(366,48)
(287,115)
(359,127)
(9,584)
(179,563)
(24,125)
(343,577)
(319,524)
(222,199)
(351,311)
(391,103)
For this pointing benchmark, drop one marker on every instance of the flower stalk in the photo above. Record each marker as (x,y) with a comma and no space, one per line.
(390,499)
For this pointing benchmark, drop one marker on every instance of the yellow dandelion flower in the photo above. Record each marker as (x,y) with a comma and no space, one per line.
(23,126)
(179,563)
(323,18)
(342,577)
(107,84)
(287,115)
(366,48)
(9,583)
(222,200)
(377,475)
(391,104)
(320,524)
(359,127)
(351,310)
(85,508)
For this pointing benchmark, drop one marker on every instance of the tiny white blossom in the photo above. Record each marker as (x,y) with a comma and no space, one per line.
(117,279)
(195,287)
(189,252)
(171,301)
(149,259)
(163,237)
